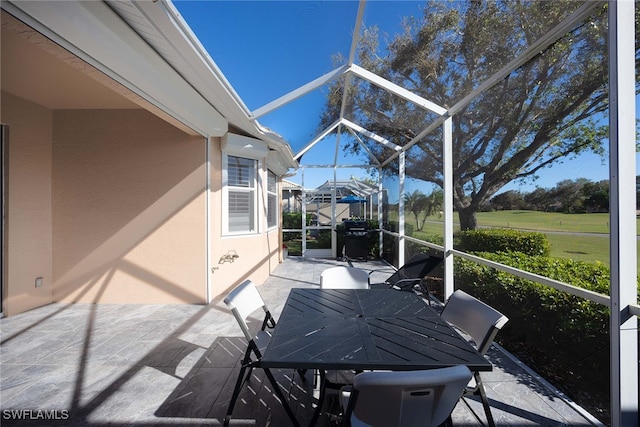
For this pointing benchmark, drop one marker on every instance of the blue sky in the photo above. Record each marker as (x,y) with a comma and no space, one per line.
(269,48)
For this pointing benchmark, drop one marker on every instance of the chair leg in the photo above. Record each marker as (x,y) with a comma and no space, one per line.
(485,401)
(302,373)
(276,389)
(246,367)
(236,393)
(318,410)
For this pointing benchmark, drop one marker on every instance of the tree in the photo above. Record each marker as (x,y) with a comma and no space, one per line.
(539,199)
(416,202)
(509,200)
(596,196)
(421,205)
(543,112)
(435,202)
(570,195)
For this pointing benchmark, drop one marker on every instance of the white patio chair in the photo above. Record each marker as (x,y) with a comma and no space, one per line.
(481,322)
(243,301)
(343,277)
(408,398)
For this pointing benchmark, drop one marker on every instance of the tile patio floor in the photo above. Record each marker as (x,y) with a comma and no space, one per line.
(175,365)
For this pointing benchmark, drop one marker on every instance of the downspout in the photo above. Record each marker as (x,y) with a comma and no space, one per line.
(207,209)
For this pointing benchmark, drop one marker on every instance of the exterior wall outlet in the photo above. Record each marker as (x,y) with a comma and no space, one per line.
(39,281)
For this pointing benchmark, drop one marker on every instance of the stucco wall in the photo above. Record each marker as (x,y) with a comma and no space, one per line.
(109,206)
(128,209)
(28,220)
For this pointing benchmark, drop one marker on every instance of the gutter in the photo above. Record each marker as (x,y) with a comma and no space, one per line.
(222,95)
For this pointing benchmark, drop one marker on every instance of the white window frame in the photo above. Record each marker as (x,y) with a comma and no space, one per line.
(254,190)
(272,194)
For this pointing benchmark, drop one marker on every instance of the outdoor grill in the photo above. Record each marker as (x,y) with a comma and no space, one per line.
(356,239)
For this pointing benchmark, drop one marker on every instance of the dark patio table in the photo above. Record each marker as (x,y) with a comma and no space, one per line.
(365,329)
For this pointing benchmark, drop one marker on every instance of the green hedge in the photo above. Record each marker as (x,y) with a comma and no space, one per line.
(551,330)
(502,240)
(540,311)
(293,220)
(394,226)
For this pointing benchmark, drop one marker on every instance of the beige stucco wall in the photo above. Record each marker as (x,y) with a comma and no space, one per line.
(110,205)
(128,209)
(28,193)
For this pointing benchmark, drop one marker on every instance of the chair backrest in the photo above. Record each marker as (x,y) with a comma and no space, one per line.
(242,301)
(474,317)
(343,277)
(416,268)
(407,398)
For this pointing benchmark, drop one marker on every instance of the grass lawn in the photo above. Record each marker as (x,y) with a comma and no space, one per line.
(581,237)
(581,248)
(546,221)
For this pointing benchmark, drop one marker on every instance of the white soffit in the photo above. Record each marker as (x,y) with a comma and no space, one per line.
(94,32)
(244,146)
(276,163)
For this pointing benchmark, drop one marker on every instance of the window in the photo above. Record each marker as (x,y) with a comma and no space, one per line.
(272,200)
(241,195)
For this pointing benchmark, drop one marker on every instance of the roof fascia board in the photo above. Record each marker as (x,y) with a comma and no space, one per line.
(96,34)
(371,135)
(201,70)
(176,32)
(397,90)
(297,93)
(318,138)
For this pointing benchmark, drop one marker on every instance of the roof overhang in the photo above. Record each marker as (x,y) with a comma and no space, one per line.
(162,26)
(97,35)
(149,49)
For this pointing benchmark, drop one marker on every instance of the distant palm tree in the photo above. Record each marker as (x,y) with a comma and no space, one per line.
(417,202)
(435,202)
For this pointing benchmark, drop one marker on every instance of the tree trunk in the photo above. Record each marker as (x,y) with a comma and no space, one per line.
(468,220)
